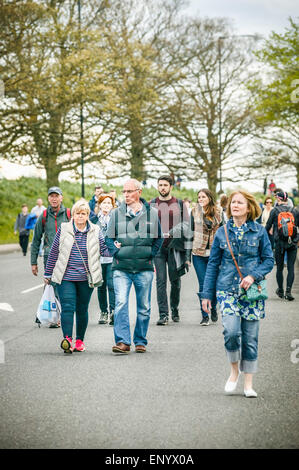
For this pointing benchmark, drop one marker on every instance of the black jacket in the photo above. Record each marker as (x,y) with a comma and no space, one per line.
(273,221)
(140,237)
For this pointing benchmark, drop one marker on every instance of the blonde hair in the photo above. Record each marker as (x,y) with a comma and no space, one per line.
(254,210)
(81,205)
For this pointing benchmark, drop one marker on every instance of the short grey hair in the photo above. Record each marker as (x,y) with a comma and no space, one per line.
(138,184)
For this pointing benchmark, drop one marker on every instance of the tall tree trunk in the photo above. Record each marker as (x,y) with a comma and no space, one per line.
(137,157)
(52,172)
(212,179)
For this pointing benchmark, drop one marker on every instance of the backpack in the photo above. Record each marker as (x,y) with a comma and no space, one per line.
(45,215)
(286,226)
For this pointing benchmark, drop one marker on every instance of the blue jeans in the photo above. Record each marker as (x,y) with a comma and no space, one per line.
(241,341)
(107,274)
(122,281)
(200,265)
(74,297)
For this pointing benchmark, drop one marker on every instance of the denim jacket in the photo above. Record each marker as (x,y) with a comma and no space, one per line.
(253,254)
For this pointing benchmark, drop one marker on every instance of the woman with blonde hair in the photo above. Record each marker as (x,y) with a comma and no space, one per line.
(74,265)
(205,220)
(250,245)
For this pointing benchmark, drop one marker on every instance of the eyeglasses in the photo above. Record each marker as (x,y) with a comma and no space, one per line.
(130,191)
(268,202)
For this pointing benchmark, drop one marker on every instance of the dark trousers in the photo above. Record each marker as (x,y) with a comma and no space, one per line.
(291,259)
(200,265)
(271,238)
(74,297)
(107,274)
(161,262)
(23,240)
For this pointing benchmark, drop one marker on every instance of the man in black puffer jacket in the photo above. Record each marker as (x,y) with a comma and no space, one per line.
(135,227)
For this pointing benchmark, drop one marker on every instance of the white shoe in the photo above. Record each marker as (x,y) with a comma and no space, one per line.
(250,393)
(230,387)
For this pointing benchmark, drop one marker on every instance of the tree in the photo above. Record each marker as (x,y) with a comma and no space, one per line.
(276,102)
(50,68)
(141,73)
(210,121)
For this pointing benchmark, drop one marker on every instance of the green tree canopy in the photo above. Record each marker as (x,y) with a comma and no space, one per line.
(276,102)
(50,67)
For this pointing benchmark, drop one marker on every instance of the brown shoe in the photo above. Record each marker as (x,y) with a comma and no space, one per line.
(139,348)
(121,348)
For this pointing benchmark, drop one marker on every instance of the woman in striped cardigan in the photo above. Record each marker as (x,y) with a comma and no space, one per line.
(73,264)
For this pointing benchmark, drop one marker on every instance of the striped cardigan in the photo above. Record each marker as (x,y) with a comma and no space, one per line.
(65,263)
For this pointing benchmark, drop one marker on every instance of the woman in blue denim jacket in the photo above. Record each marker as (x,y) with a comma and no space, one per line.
(240,318)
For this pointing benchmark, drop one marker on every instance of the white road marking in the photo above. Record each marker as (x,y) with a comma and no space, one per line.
(32,288)
(6,307)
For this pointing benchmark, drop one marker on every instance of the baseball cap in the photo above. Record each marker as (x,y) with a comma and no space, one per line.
(283,196)
(55,189)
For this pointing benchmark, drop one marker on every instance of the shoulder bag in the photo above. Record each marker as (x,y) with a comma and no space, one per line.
(89,278)
(257,290)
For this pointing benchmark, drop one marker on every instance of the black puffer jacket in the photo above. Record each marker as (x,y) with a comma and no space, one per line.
(140,237)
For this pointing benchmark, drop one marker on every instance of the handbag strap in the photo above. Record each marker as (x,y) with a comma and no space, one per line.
(231,252)
(87,272)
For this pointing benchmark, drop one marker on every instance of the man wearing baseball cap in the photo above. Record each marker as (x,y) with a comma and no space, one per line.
(54,190)
(282,212)
(47,225)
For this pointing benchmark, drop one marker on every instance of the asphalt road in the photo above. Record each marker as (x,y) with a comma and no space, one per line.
(169,398)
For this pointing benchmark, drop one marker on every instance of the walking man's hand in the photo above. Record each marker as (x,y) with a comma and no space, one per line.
(34,269)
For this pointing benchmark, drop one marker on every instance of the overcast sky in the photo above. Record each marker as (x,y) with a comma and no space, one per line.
(249,16)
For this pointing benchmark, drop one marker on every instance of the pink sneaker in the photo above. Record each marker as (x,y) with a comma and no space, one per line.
(79,346)
(66,345)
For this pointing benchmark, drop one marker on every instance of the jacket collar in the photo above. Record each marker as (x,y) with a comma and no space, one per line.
(250,225)
(145,208)
(62,209)
(88,228)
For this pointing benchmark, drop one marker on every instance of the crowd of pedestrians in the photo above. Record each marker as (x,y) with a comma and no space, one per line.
(112,245)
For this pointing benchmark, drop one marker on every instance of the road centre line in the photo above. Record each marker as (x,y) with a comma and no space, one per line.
(31,289)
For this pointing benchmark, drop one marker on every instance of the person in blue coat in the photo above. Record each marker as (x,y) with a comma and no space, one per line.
(240,317)
(30,221)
